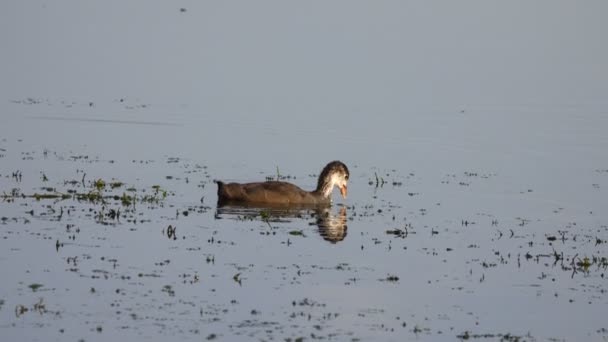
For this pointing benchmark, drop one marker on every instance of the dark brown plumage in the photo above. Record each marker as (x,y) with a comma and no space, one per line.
(282,193)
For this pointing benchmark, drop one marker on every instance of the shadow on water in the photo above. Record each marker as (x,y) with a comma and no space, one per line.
(331,225)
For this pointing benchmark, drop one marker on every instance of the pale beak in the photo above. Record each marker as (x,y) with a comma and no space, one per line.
(343,191)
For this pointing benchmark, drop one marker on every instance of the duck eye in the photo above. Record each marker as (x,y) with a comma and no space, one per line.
(346,177)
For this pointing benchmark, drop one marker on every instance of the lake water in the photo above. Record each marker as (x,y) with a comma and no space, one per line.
(453,238)
(478,216)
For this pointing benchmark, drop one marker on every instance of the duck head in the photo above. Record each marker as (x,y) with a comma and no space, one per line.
(334,174)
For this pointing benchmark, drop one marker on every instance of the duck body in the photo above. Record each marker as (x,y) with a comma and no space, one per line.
(283,193)
(271,192)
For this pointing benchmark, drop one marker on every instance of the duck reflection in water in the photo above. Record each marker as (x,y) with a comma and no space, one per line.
(331,226)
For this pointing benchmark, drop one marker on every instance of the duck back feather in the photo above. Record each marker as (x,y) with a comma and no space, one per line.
(271,192)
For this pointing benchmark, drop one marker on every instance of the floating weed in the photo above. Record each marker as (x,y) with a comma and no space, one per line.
(158,190)
(503,337)
(56,195)
(171,232)
(20,310)
(39,307)
(379,181)
(114,214)
(158,195)
(237,278)
(99,184)
(402,233)
(99,192)
(585,263)
(35,286)
(17,176)
(169,290)
(116,184)
(278,176)
(418,329)
(264,215)
(391,278)
(93,196)
(126,200)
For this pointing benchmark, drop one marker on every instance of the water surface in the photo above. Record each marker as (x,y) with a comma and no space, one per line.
(477,152)
(484,236)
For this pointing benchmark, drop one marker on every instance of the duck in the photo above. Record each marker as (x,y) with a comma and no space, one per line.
(334,174)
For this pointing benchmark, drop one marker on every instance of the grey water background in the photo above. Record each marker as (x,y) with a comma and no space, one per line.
(492,113)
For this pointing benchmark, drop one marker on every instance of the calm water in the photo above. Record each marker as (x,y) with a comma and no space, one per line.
(477,150)
(493,228)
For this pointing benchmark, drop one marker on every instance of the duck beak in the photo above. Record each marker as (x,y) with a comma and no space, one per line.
(343,191)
